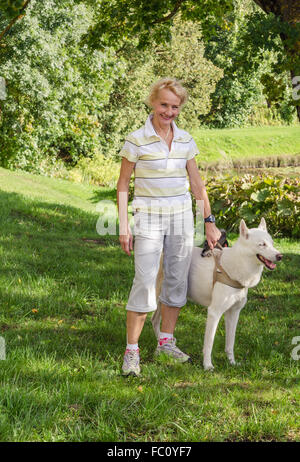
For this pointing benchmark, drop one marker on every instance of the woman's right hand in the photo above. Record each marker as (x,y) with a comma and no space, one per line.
(126,241)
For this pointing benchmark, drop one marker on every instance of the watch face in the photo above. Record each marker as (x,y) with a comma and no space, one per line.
(210,219)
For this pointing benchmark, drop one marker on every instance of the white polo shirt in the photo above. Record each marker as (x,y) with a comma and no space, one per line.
(161,184)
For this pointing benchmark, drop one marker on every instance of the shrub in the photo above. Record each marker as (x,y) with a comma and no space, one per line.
(56,88)
(98,170)
(252,197)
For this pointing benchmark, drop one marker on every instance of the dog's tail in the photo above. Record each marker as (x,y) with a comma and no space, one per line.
(157,314)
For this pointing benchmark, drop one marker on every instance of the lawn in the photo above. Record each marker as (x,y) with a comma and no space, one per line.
(242,143)
(63,295)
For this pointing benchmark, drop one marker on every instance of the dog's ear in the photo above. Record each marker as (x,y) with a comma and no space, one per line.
(263,225)
(244,229)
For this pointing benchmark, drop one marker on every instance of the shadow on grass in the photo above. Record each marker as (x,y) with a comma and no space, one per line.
(104,194)
(52,258)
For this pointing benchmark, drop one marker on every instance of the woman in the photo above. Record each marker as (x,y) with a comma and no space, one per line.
(161,154)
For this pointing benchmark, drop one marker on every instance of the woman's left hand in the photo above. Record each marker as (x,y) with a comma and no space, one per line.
(213,234)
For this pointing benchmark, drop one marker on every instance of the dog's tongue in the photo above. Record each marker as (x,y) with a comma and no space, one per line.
(270,264)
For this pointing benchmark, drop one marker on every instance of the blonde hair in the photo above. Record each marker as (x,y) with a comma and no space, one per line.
(167,83)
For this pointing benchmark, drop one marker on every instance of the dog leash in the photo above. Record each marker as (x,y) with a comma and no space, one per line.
(222,242)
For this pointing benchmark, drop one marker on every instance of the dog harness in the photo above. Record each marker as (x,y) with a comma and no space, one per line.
(220,275)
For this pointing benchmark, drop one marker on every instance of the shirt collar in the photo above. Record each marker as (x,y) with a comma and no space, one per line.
(150,132)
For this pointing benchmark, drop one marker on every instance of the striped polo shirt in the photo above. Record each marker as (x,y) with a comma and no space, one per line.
(161,184)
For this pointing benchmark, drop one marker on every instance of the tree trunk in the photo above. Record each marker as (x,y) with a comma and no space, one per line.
(287,10)
(12,22)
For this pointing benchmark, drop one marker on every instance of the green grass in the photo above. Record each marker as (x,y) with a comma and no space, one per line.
(238,143)
(63,320)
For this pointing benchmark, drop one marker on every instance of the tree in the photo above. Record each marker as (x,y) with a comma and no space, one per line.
(126,111)
(288,13)
(11,8)
(116,21)
(56,88)
(18,15)
(252,74)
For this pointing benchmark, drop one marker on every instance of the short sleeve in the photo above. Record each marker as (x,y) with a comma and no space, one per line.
(193,150)
(130,151)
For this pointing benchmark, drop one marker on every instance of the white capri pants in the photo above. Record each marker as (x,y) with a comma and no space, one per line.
(153,233)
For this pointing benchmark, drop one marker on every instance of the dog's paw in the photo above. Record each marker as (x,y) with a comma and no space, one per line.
(234,363)
(231,359)
(208,367)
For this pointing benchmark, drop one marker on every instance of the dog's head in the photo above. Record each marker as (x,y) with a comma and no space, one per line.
(260,243)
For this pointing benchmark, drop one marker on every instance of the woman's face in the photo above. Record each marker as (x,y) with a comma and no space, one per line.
(166,107)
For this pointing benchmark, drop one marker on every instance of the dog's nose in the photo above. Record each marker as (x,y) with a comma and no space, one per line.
(279,256)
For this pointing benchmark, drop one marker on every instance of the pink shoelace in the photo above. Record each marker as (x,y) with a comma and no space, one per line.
(128,351)
(162,341)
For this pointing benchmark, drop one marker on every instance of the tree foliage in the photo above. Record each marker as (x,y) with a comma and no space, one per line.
(117,21)
(11,8)
(77,71)
(55,87)
(126,109)
(251,71)
(67,101)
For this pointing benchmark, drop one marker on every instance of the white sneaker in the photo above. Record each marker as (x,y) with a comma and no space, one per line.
(168,347)
(131,363)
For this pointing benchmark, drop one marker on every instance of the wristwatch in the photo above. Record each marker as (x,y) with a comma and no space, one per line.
(210,219)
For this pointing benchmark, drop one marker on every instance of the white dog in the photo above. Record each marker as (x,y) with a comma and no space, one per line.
(221,282)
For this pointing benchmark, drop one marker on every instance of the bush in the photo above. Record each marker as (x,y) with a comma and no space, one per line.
(56,88)
(252,197)
(98,170)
